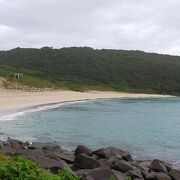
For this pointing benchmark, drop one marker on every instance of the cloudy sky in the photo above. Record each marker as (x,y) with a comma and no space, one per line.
(149,25)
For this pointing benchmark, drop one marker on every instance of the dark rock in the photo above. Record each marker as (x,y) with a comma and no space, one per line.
(8,150)
(114,159)
(48,163)
(127,157)
(50,148)
(122,166)
(40,152)
(36,145)
(45,146)
(82,172)
(120,175)
(107,152)
(145,163)
(167,165)
(27,144)
(175,174)
(82,149)
(101,174)
(27,152)
(104,163)
(158,176)
(83,161)
(68,158)
(95,156)
(162,176)
(136,173)
(145,173)
(151,176)
(158,166)
(112,151)
(142,168)
(14,142)
(67,152)
(5,143)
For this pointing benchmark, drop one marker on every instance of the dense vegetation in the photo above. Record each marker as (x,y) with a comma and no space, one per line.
(20,168)
(87,68)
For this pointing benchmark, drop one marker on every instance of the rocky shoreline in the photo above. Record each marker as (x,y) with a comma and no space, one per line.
(103,164)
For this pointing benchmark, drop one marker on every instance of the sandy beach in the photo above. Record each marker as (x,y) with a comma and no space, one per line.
(15,100)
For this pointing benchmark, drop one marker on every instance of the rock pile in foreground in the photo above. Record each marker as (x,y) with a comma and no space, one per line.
(103,164)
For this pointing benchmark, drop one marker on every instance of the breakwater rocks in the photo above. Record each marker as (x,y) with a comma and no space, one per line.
(103,164)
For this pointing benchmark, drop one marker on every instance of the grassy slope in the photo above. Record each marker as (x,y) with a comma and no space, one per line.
(24,169)
(85,68)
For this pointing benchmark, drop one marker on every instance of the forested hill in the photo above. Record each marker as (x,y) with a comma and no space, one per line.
(86,67)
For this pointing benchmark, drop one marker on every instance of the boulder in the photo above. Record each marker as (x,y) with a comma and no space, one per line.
(5,143)
(175,174)
(122,166)
(51,148)
(27,152)
(120,175)
(127,157)
(82,172)
(158,176)
(83,161)
(68,158)
(95,156)
(145,163)
(8,150)
(112,151)
(45,146)
(104,163)
(162,176)
(101,174)
(83,150)
(158,166)
(14,142)
(41,152)
(167,165)
(114,159)
(27,144)
(51,164)
(135,173)
(151,176)
(67,152)
(142,168)
(145,173)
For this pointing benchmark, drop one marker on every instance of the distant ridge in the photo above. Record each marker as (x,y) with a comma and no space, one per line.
(83,68)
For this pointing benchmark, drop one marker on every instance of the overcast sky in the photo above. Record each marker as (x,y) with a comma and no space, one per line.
(149,25)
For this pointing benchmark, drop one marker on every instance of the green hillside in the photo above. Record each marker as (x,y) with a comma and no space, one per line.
(86,68)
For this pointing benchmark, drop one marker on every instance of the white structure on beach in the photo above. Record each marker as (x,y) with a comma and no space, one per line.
(18,75)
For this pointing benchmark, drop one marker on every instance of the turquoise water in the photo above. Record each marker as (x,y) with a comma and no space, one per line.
(148,128)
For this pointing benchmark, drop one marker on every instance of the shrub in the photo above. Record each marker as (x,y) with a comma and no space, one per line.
(20,168)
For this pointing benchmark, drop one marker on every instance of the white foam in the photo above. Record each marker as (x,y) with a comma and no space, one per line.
(13,116)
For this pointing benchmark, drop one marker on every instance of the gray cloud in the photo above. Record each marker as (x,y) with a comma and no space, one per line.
(149,25)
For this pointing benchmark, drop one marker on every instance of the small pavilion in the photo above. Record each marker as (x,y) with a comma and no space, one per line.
(18,75)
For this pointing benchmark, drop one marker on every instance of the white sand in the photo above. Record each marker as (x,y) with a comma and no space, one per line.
(15,100)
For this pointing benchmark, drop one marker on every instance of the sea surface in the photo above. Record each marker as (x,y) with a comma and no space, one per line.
(148,128)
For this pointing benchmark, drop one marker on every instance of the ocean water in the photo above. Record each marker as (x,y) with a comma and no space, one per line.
(148,128)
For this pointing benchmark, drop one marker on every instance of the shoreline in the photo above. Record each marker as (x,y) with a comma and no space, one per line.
(42,107)
(13,101)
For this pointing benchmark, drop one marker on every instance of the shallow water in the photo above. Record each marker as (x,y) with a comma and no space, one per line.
(148,128)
